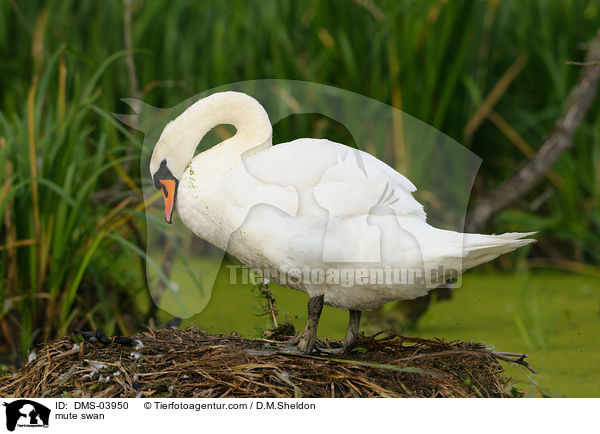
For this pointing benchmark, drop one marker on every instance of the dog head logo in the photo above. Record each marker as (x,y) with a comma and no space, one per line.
(26,413)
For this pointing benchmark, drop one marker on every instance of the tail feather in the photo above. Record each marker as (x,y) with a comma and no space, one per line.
(514,235)
(479,248)
(460,251)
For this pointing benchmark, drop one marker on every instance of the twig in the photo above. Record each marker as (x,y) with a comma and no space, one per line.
(561,139)
(438,354)
(269,296)
(514,358)
(271,307)
(418,341)
(591,63)
(409,369)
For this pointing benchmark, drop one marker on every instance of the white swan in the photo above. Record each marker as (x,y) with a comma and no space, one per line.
(318,216)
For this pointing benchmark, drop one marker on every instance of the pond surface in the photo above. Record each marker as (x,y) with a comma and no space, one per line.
(554,317)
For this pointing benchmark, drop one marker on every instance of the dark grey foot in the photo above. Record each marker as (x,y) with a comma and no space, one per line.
(309,337)
(353,325)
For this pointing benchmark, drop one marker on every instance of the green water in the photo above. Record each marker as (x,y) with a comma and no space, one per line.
(484,309)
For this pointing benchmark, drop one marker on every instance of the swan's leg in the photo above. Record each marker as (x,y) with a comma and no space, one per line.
(309,337)
(353,325)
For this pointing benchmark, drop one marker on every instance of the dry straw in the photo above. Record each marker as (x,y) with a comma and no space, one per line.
(189,363)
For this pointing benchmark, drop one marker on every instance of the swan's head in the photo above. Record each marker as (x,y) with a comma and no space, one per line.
(167,167)
(167,183)
(177,144)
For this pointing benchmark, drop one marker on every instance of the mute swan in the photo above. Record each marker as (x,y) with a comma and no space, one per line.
(311,212)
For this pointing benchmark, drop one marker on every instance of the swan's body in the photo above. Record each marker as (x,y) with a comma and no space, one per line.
(307,205)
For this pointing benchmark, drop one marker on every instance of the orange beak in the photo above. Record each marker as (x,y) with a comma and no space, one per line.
(168,191)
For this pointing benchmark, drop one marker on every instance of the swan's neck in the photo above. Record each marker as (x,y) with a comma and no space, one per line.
(182,136)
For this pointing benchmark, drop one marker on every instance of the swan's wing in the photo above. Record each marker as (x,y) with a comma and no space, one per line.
(340,175)
(400,184)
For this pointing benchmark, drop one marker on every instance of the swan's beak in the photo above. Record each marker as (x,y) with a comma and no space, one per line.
(168,187)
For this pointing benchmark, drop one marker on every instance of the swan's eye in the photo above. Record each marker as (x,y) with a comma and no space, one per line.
(162,173)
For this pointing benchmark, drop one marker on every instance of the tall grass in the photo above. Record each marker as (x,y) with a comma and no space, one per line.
(58,258)
(69,196)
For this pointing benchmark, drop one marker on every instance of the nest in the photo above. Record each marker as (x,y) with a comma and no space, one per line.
(190,363)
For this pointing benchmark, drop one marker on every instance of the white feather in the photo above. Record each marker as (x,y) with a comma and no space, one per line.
(306,204)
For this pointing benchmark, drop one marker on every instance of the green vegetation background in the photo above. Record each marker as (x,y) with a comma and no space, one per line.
(72,234)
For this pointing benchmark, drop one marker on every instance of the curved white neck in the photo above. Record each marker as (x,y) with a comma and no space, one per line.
(180,138)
